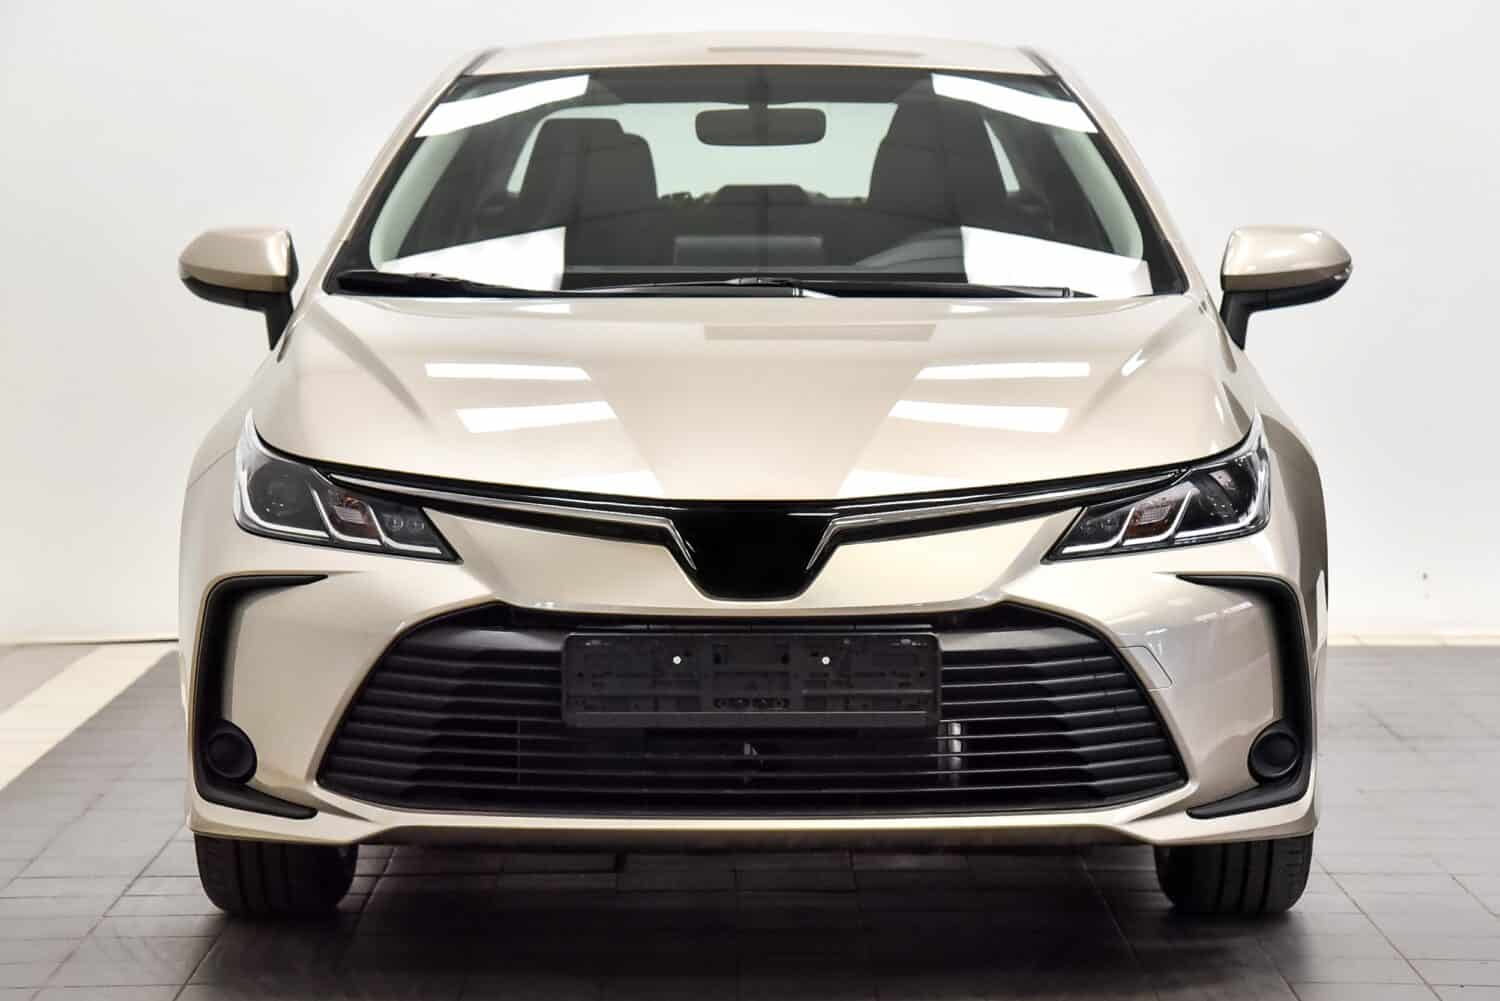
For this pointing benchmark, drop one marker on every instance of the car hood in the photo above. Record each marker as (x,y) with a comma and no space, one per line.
(753,398)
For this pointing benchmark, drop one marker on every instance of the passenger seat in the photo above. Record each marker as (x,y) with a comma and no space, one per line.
(599,181)
(935,168)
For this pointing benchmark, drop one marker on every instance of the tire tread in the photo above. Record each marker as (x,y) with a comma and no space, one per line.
(1248,878)
(263,879)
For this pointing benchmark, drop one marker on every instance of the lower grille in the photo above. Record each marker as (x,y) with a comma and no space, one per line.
(464,713)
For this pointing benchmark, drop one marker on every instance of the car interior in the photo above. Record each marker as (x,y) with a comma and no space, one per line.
(936,168)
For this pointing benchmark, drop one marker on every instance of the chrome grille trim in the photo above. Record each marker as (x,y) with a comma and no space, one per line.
(582,514)
(996,505)
(898,515)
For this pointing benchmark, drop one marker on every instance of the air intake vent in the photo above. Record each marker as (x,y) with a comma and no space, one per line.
(464,713)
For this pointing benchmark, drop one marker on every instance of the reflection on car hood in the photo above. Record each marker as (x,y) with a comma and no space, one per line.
(757,399)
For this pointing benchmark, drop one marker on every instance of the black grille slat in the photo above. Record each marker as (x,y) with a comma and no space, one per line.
(1059,686)
(465,713)
(398,736)
(355,747)
(417,708)
(1074,702)
(447,703)
(1050,642)
(528,660)
(407,681)
(757,768)
(1145,781)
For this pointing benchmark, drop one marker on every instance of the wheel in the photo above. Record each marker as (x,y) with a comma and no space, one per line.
(1239,877)
(266,879)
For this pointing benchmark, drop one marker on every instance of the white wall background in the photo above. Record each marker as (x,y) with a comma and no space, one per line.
(125,128)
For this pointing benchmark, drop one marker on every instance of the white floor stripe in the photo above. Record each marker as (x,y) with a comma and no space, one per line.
(1414,639)
(37,723)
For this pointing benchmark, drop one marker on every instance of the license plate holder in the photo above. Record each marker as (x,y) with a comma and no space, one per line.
(751,681)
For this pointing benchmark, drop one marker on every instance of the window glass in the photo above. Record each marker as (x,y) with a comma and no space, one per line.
(617,176)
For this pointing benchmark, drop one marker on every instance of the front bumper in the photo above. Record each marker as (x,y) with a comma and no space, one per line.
(1212,656)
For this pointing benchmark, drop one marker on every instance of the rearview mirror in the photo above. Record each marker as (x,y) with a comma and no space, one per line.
(252,268)
(759,125)
(1267,267)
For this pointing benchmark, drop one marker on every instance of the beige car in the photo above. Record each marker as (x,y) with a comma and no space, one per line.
(703,442)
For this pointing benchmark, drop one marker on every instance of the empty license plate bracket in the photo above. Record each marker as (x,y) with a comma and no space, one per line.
(751,680)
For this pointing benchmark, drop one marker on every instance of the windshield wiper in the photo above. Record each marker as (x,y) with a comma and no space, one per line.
(861,286)
(427,283)
(431,284)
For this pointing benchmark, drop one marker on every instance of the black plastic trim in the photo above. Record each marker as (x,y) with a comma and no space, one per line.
(223,600)
(510,618)
(1296,687)
(1236,308)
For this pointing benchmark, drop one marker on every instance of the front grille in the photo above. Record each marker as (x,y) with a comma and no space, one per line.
(463,713)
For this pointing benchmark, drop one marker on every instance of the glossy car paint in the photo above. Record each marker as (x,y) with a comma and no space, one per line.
(775,47)
(912,395)
(250,258)
(1209,653)
(1122,385)
(1255,258)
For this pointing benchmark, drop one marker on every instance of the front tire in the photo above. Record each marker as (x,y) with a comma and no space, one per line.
(1246,878)
(269,879)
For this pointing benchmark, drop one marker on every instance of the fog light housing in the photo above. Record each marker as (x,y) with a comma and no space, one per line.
(1275,753)
(228,753)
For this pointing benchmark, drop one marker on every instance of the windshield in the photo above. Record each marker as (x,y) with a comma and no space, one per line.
(675,174)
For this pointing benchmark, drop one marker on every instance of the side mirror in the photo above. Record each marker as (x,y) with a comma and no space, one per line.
(1267,267)
(252,268)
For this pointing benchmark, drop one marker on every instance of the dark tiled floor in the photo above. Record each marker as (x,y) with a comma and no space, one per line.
(98,897)
(23,668)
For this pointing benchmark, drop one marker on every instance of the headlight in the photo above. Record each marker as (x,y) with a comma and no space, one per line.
(1222,499)
(286,500)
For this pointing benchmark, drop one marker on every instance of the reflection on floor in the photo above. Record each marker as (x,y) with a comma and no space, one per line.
(98,897)
(47,691)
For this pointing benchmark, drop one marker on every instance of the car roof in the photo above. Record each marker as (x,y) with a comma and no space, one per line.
(760,48)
